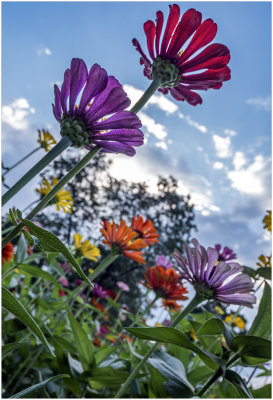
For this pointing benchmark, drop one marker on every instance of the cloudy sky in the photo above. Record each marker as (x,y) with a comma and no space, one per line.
(219,151)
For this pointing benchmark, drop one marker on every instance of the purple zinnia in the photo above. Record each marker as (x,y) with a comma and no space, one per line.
(162,261)
(223,282)
(99,291)
(226,255)
(100,118)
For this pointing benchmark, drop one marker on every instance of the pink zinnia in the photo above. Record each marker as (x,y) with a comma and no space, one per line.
(123,286)
(174,65)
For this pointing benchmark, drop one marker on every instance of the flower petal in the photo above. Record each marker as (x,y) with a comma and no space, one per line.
(170,26)
(180,92)
(214,56)
(159,24)
(122,119)
(58,107)
(146,61)
(149,29)
(79,76)
(65,90)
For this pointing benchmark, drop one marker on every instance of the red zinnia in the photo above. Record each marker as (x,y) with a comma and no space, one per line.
(173,65)
(97,305)
(164,283)
(145,229)
(120,238)
(7,252)
(171,304)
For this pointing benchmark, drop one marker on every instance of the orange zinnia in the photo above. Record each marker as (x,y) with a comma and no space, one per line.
(97,305)
(165,283)
(171,304)
(145,230)
(119,239)
(7,252)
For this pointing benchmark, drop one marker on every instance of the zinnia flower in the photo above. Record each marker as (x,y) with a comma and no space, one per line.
(62,199)
(7,252)
(171,304)
(162,261)
(265,262)
(267,221)
(99,291)
(226,255)
(165,283)
(222,282)
(123,286)
(174,65)
(237,321)
(46,140)
(63,281)
(86,249)
(97,305)
(100,118)
(120,240)
(145,230)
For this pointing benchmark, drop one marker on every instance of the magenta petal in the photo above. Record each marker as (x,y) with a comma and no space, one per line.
(58,106)
(56,114)
(159,24)
(182,93)
(122,119)
(143,55)
(79,75)
(190,21)
(210,75)
(65,90)
(170,26)
(214,56)
(203,35)
(149,29)
(96,83)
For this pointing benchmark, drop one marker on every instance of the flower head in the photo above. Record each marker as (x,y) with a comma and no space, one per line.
(99,291)
(237,321)
(267,221)
(46,140)
(63,281)
(123,286)
(165,283)
(162,261)
(171,305)
(120,240)
(62,199)
(173,64)
(7,252)
(264,261)
(100,118)
(86,249)
(223,282)
(97,305)
(145,230)
(226,255)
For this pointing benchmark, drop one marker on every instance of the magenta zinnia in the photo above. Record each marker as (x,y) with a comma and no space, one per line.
(222,282)
(100,118)
(175,64)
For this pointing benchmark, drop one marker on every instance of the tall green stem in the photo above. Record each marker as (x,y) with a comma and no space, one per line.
(194,303)
(63,144)
(78,167)
(20,161)
(156,83)
(103,265)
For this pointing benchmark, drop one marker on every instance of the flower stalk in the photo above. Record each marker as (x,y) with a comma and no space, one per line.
(193,304)
(62,145)
(8,169)
(156,83)
(103,265)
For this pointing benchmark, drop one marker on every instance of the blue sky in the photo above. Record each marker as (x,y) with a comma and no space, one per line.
(220,151)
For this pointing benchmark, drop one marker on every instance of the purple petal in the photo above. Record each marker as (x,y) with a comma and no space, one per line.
(220,269)
(115,147)
(79,76)
(65,90)
(239,283)
(244,299)
(212,258)
(58,106)
(120,135)
(122,119)
(96,83)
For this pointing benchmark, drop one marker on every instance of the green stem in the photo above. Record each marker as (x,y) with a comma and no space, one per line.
(63,144)
(103,265)
(78,167)
(193,304)
(156,83)
(20,161)
(145,312)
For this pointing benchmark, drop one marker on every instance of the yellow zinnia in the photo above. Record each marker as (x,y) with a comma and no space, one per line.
(264,261)
(238,321)
(46,140)
(267,221)
(62,199)
(86,249)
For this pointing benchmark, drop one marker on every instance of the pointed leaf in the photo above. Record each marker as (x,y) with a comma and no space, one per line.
(261,325)
(21,250)
(35,271)
(252,346)
(10,347)
(265,272)
(216,326)
(239,383)
(35,388)
(10,303)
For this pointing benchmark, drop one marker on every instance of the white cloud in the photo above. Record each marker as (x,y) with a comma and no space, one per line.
(230,132)
(160,100)
(222,146)
(15,114)
(201,128)
(263,103)
(162,145)
(239,160)
(218,165)
(44,50)
(250,180)
(158,130)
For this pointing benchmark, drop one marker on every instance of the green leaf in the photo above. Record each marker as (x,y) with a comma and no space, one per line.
(32,389)
(262,393)
(216,326)
(252,346)
(250,271)
(261,325)
(83,344)
(199,374)
(264,272)
(10,347)
(36,271)
(10,303)
(29,238)
(239,383)
(102,353)
(21,250)
(50,242)
(170,367)
(172,335)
